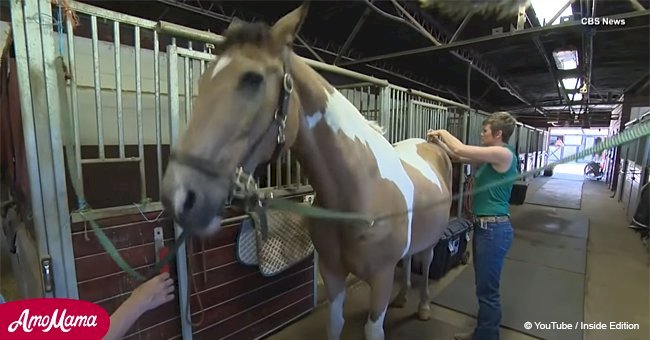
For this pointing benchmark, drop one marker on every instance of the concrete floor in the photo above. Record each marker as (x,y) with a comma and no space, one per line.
(617,285)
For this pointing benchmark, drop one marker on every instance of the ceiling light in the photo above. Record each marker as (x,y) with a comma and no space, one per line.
(570,83)
(566,60)
(576,97)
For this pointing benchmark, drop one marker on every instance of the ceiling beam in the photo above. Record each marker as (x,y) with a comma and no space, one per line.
(551,68)
(557,15)
(475,63)
(353,34)
(565,26)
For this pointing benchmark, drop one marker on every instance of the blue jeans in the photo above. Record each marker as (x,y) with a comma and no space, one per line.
(490,246)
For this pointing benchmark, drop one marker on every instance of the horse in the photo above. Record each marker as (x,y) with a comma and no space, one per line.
(259,99)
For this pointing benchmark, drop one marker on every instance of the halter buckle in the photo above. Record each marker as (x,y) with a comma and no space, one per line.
(287,82)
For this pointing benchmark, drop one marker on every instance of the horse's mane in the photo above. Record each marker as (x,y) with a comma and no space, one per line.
(375,125)
(257,33)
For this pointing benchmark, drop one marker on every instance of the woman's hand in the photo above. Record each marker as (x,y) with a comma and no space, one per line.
(433,134)
(147,296)
(153,293)
(436,134)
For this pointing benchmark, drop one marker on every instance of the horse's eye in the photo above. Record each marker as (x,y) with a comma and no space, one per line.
(251,80)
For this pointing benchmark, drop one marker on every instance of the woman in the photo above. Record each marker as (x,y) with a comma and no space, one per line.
(493,231)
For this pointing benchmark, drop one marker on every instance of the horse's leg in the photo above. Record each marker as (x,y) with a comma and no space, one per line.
(400,299)
(381,287)
(334,279)
(424,309)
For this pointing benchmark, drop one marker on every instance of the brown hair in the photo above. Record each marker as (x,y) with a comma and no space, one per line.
(501,121)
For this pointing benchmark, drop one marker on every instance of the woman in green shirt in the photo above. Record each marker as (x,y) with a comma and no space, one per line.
(493,231)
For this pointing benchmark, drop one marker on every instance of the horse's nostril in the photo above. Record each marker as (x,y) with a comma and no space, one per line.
(190,199)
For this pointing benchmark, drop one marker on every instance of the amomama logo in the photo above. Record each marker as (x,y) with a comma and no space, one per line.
(52,318)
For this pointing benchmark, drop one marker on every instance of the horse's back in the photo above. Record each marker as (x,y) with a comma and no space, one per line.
(430,159)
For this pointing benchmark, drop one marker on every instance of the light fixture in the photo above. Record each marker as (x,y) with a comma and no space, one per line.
(570,84)
(566,59)
(575,97)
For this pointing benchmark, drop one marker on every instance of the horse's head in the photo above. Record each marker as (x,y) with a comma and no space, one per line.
(244,112)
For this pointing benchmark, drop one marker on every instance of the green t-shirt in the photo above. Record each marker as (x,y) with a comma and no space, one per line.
(496,200)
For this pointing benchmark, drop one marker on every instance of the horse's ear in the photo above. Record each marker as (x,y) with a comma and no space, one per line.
(285,30)
(235,23)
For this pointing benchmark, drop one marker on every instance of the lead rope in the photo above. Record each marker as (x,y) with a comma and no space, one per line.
(188,293)
(627,136)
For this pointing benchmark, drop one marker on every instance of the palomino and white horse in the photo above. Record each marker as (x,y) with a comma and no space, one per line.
(259,98)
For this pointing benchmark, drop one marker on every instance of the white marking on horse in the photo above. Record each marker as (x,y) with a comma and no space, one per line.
(408,152)
(313,119)
(375,330)
(341,115)
(221,63)
(336,316)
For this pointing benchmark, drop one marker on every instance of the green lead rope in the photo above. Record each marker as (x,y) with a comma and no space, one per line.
(636,132)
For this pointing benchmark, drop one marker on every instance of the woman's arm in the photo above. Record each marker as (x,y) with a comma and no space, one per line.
(149,295)
(495,155)
(454,157)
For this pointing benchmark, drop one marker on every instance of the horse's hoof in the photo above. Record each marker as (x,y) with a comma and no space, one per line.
(424,314)
(399,302)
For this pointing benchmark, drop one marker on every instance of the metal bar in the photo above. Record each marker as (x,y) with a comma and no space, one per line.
(138,109)
(429,105)
(98,87)
(186,87)
(51,164)
(460,28)
(352,85)
(352,35)
(97,214)
(23,64)
(157,106)
(551,70)
(569,25)
(289,164)
(341,71)
(111,160)
(91,10)
(311,50)
(75,110)
(637,6)
(118,87)
(557,15)
(188,32)
(521,18)
(174,124)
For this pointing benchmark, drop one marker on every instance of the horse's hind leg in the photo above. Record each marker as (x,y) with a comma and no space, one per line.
(400,298)
(424,309)
(381,287)
(334,279)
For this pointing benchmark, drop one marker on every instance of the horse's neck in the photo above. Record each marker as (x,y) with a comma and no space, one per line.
(331,145)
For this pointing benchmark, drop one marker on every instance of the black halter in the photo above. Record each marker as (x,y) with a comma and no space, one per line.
(244,183)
